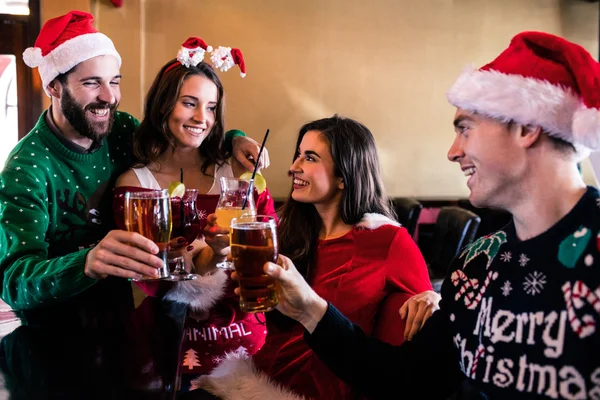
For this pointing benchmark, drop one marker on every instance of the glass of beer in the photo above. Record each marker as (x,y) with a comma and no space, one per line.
(237,199)
(253,243)
(149,214)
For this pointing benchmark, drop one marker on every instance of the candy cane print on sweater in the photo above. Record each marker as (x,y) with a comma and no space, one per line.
(469,302)
(574,299)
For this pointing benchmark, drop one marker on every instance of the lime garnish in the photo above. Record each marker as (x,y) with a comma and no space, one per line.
(259,181)
(176,189)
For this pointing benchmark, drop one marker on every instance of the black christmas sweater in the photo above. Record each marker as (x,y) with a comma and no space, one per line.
(518,319)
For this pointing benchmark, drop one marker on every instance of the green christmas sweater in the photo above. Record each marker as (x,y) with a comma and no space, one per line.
(55,205)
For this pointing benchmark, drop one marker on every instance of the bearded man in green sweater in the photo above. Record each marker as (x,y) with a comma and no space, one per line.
(59,258)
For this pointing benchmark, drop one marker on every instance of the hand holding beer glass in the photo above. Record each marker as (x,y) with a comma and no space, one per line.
(149,214)
(253,243)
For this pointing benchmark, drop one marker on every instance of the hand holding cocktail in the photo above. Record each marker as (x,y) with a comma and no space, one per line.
(216,236)
(237,199)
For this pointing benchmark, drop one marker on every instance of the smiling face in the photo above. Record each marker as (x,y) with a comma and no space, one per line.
(89,97)
(193,115)
(490,156)
(313,172)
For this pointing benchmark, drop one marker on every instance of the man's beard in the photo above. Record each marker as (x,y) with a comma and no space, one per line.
(75,114)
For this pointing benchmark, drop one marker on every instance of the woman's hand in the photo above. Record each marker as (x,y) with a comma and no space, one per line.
(417,310)
(216,236)
(178,248)
(297,300)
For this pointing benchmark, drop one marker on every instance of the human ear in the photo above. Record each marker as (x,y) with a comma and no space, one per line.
(54,88)
(529,135)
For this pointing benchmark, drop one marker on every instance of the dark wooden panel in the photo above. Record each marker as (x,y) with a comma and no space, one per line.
(19,32)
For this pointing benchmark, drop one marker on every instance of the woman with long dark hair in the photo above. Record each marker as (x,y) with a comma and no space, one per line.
(183,130)
(338,228)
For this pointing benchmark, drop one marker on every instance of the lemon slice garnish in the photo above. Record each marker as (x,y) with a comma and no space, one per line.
(259,181)
(176,189)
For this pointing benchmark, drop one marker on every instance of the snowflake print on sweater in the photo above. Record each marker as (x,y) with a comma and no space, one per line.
(506,256)
(534,283)
(523,260)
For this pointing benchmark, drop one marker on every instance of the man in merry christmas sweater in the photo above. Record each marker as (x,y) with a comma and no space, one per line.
(520,308)
(56,187)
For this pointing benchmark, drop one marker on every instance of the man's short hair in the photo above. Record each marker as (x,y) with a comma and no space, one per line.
(562,145)
(559,144)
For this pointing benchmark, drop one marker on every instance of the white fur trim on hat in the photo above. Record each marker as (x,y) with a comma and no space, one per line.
(586,127)
(527,101)
(33,57)
(374,221)
(200,294)
(236,378)
(72,52)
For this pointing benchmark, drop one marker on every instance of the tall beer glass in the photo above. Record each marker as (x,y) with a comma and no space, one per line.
(237,199)
(253,243)
(149,214)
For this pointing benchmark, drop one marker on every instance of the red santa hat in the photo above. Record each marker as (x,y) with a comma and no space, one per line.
(224,58)
(64,42)
(540,80)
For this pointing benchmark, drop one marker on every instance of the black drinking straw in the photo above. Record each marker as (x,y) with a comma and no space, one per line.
(262,146)
(181,210)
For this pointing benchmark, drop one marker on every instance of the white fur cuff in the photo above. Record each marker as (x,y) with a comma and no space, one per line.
(200,294)
(236,378)
(374,221)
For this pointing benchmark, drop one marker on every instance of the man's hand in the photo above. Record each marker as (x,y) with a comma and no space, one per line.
(216,236)
(123,254)
(297,300)
(417,310)
(246,149)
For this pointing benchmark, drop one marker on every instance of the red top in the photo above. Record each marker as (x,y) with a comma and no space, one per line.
(367,275)
(225,329)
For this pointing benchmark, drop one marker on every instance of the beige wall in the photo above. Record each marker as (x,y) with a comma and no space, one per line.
(386,63)
(53,8)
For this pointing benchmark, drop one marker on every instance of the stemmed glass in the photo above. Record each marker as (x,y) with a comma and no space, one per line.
(186,224)
(149,214)
(237,199)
